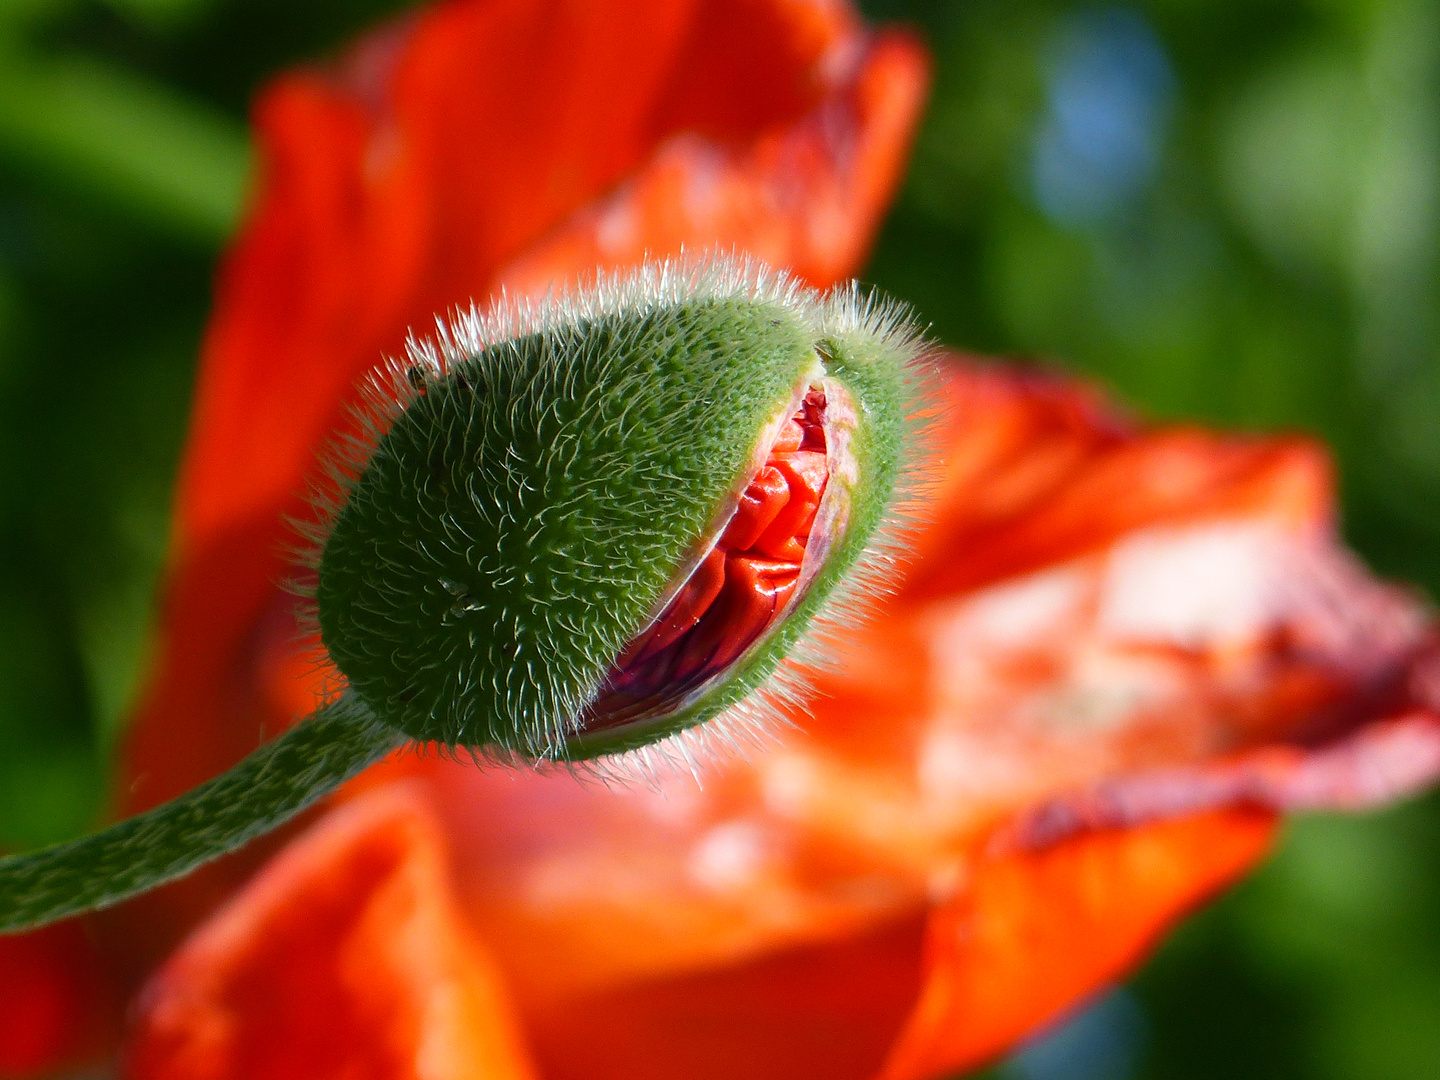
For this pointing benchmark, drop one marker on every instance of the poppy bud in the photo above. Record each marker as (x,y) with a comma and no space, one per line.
(586,527)
(566,532)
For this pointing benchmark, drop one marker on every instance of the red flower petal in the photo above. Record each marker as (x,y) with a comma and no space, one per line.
(1077,680)
(1037,932)
(804,196)
(828,1011)
(1038,469)
(1075,667)
(1140,611)
(55,1008)
(345,958)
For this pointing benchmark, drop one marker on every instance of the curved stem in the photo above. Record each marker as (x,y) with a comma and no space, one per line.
(270,786)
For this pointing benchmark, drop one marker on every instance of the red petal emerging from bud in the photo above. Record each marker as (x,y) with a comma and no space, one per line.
(739,589)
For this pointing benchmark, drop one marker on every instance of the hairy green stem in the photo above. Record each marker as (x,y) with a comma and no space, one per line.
(270,786)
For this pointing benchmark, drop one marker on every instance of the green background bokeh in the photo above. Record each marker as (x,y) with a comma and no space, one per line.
(1225,210)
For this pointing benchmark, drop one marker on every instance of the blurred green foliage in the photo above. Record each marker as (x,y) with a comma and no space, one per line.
(1226,210)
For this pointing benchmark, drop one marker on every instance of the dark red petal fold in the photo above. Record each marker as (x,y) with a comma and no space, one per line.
(56,1006)
(739,589)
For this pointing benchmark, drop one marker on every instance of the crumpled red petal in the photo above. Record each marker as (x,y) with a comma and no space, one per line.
(345,958)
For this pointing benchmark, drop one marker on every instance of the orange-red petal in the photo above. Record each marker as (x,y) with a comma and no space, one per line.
(1080,658)
(807,196)
(1037,468)
(346,958)
(827,1011)
(1036,933)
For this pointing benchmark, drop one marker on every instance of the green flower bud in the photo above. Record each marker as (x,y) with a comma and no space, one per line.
(539,553)
(567,532)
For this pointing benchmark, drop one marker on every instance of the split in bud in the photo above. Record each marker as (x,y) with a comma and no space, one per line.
(745,584)
(566,532)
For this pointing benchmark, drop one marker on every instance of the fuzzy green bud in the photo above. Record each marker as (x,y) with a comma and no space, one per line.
(535,498)
(566,532)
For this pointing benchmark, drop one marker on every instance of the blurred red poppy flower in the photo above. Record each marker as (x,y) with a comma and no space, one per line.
(1116,654)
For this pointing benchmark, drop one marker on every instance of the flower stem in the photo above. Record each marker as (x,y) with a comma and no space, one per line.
(270,786)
